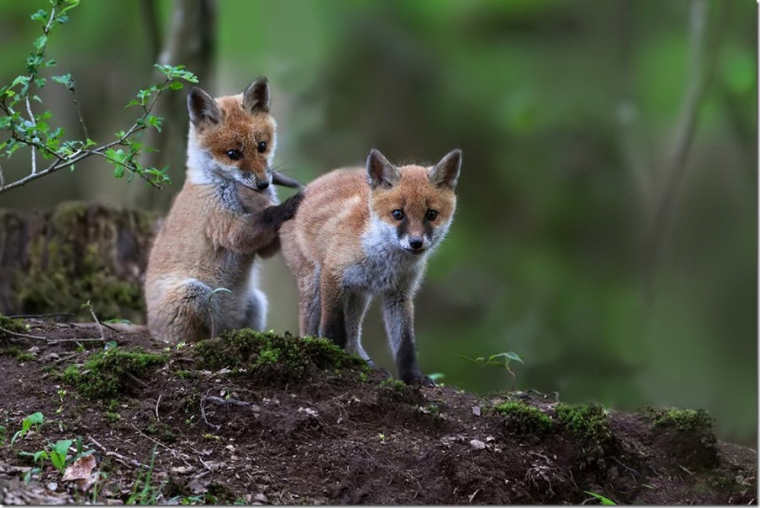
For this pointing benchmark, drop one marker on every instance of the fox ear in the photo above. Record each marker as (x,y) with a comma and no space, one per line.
(380,172)
(202,106)
(446,172)
(256,96)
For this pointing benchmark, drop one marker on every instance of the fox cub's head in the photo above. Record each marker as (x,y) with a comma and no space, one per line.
(231,138)
(412,205)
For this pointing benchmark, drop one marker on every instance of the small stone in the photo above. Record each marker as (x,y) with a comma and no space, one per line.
(476,444)
(52,486)
(261,498)
(476,410)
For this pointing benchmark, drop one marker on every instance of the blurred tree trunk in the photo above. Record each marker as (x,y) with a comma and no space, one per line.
(190,41)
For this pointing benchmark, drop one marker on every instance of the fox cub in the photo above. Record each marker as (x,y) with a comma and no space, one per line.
(200,278)
(360,233)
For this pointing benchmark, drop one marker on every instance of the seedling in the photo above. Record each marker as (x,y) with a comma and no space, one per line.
(498,360)
(143,492)
(34,419)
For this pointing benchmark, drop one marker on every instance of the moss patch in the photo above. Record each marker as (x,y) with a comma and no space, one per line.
(109,374)
(86,253)
(12,325)
(269,357)
(524,419)
(586,421)
(688,420)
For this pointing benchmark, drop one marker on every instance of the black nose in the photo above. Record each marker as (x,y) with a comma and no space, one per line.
(415,243)
(263,184)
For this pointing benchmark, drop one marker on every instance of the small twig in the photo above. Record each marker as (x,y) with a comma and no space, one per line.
(203,412)
(97,321)
(121,458)
(152,439)
(19,334)
(50,314)
(79,113)
(231,402)
(158,401)
(34,150)
(136,379)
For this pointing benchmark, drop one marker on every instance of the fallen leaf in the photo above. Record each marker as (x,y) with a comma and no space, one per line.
(476,410)
(81,471)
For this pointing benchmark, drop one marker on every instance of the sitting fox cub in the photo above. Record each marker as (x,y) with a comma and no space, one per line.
(362,233)
(200,280)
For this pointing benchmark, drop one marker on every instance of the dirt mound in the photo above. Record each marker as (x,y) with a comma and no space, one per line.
(262,418)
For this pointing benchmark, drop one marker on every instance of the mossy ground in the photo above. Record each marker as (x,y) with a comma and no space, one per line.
(109,374)
(688,420)
(252,417)
(586,421)
(523,418)
(273,358)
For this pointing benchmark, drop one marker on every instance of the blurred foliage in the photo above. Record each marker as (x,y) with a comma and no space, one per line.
(565,111)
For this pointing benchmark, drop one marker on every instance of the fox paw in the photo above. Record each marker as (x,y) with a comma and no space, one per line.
(418,378)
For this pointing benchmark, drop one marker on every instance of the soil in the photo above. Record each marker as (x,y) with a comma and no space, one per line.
(277,428)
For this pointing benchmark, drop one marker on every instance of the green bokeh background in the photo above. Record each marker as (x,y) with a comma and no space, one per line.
(566,112)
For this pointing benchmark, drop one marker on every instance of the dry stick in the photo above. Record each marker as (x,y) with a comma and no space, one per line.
(100,327)
(231,401)
(18,334)
(158,401)
(203,412)
(174,452)
(121,458)
(34,150)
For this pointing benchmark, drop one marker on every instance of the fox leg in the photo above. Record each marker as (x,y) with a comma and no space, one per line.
(332,323)
(188,311)
(398,314)
(308,302)
(354,307)
(256,311)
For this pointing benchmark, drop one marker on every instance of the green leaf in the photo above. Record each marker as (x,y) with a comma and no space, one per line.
(176,85)
(602,500)
(509,355)
(42,454)
(154,121)
(40,15)
(40,42)
(65,80)
(118,171)
(35,418)
(62,447)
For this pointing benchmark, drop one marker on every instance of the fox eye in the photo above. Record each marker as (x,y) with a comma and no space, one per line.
(397,214)
(234,155)
(431,214)
(262,146)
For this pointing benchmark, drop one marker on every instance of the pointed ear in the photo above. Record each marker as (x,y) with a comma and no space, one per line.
(202,107)
(446,172)
(256,96)
(380,172)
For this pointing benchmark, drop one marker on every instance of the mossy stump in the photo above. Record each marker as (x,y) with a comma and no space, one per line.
(55,261)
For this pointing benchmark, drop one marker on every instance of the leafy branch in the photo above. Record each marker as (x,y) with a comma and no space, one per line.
(21,127)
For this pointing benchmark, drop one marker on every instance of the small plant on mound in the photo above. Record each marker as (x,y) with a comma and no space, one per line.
(587,422)
(108,374)
(268,356)
(687,433)
(525,419)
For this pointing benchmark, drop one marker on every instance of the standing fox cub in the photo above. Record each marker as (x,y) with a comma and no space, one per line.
(200,279)
(363,233)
